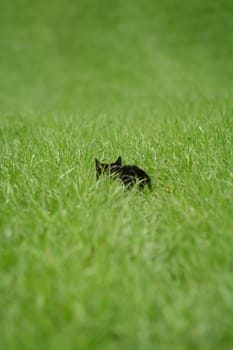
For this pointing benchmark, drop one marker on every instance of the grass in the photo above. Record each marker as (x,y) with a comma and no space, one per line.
(86,265)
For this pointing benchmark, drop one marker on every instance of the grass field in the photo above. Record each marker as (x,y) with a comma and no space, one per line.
(86,265)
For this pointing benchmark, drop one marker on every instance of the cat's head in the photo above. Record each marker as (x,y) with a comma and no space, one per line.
(108,169)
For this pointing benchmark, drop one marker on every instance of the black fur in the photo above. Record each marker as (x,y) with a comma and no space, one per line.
(128,174)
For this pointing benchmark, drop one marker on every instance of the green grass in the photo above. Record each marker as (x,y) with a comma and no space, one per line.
(86,265)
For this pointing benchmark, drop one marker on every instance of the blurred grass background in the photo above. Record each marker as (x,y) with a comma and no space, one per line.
(108,55)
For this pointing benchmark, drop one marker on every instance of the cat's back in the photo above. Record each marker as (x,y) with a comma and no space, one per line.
(130,174)
(134,170)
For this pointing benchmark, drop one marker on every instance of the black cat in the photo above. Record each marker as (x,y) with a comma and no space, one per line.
(128,174)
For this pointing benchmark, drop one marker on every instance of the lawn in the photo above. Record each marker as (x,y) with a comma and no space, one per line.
(86,265)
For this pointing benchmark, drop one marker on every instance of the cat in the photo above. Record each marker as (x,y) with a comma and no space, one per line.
(128,174)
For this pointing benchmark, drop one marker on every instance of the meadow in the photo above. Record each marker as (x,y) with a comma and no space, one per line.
(87,265)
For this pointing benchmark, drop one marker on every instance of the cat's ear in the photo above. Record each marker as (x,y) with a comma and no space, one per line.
(97,163)
(97,168)
(119,161)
